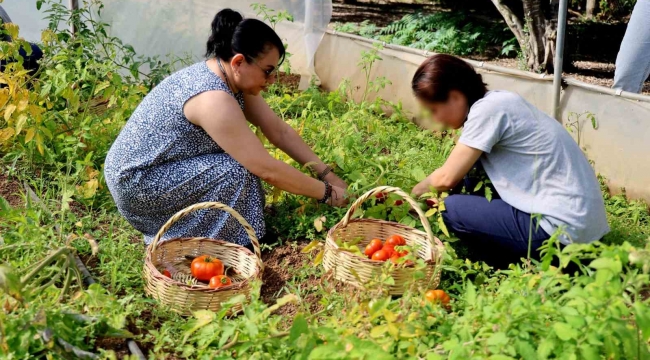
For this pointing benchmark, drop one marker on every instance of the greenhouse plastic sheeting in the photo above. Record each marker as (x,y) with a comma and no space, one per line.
(182,27)
(164,27)
(618,147)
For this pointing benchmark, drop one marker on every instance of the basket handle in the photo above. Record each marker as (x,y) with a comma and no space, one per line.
(217,206)
(390,190)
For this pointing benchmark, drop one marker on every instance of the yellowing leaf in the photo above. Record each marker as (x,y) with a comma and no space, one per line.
(9,110)
(22,119)
(379,331)
(12,29)
(318,224)
(311,246)
(390,316)
(6,134)
(29,135)
(441,206)
(319,258)
(443,227)
(393,330)
(431,212)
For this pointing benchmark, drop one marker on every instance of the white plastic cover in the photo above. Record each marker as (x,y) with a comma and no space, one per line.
(163,27)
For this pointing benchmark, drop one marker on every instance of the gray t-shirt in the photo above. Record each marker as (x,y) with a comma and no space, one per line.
(536,166)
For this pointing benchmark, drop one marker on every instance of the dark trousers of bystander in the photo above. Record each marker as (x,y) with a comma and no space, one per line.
(494,231)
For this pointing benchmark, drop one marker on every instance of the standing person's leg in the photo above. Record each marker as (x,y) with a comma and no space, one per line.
(499,232)
(633,60)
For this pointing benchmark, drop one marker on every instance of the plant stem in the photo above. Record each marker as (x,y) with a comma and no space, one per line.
(43,263)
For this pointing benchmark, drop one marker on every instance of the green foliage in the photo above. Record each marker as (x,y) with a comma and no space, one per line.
(451,33)
(530,311)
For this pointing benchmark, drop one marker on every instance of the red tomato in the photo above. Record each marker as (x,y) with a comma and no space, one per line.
(399,202)
(381,197)
(432,203)
(389,249)
(205,267)
(374,246)
(167,273)
(219,281)
(380,255)
(395,240)
(394,258)
(437,296)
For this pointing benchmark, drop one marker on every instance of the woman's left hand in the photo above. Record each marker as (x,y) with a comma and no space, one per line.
(335,180)
(422,188)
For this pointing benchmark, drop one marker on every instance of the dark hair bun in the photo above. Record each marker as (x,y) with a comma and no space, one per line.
(223,29)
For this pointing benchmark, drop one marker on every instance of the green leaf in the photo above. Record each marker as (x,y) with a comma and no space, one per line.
(10,282)
(589,352)
(501,357)
(564,331)
(497,339)
(328,352)
(228,331)
(478,186)
(545,348)
(526,350)
(488,193)
(470,293)
(379,331)
(377,307)
(298,328)
(642,317)
(607,263)
(434,356)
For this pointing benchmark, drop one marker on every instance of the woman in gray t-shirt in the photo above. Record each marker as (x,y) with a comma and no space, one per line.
(533,164)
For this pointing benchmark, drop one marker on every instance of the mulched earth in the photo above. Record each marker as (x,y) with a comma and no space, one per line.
(11,190)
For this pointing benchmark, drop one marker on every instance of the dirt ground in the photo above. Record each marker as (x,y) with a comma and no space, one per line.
(384,12)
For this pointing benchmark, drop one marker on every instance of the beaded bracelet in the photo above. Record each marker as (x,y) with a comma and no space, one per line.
(328,193)
(324,173)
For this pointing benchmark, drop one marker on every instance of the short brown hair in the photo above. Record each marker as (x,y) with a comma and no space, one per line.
(440,74)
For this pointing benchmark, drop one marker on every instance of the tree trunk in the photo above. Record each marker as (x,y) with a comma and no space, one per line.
(590,10)
(537,37)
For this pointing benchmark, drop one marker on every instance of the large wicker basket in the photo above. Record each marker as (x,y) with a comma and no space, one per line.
(241,264)
(358,270)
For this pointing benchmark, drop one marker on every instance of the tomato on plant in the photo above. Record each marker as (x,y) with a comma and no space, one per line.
(431,203)
(380,255)
(395,240)
(374,246)
(437,296)
(205,267)
(219,281)
(381,197)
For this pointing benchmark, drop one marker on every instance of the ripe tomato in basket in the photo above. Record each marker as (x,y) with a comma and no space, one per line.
(219,281)
(395,240)
(380,255)
(374,246)
(205,267)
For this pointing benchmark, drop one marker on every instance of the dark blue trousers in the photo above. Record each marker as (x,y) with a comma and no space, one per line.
(29,62)
(494,231)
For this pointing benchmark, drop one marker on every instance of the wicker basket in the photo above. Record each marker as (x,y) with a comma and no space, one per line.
(358,270)
(241,265)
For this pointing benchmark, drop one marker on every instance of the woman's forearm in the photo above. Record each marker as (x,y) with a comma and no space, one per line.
(287,178)
(294,146)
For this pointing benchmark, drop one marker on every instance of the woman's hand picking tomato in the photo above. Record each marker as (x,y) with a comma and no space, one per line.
(437,296)
(380,255)
(374,246)
(219,281)
(205,267)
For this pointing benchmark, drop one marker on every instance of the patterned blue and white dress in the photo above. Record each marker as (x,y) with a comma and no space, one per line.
(161,163)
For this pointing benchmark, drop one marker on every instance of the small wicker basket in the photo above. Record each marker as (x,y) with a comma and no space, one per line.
(241,264)
(358,270)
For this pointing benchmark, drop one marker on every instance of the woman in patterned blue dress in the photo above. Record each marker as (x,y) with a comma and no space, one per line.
(189,141)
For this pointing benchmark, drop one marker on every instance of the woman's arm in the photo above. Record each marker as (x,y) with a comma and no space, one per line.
(460,162)
(283,136)
(220,116)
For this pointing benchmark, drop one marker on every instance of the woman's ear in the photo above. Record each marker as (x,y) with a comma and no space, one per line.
(237,61)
